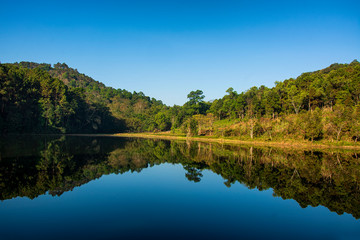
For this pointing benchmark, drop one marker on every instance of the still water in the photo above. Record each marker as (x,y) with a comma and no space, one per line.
(116,188)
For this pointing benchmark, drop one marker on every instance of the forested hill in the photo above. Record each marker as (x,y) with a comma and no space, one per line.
(318,105)
(39,98)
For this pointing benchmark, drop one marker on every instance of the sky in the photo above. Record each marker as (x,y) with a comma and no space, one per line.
(168,48)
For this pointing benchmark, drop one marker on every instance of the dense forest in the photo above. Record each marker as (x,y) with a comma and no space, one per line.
(38,98)
(318,105)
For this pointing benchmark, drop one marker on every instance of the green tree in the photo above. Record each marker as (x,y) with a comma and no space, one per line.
(162,121)
(355,123)
(295,96)
(196,104)
(340,120)
(314,125)
(195,97)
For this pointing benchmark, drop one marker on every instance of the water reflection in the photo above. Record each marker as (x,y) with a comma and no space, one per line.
(33,166)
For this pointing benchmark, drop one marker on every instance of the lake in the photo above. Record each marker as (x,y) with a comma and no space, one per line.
(56,187)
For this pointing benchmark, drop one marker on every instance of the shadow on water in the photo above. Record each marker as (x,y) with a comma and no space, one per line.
(35,165)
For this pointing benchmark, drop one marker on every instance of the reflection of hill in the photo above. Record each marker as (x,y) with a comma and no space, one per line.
(53,165)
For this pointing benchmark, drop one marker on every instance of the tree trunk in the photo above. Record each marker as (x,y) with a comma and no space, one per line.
(251,128)
(189,131)
(296,110)
(338,134)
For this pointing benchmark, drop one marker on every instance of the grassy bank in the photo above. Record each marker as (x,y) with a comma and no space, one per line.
(278,144)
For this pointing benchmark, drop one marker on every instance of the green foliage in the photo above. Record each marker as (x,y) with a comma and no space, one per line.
(195,97)
(322,102)
(355,126)
(195,105)
(162,121)
(295,96)
(40,98)
(190,127)
(313,125)
(339,120)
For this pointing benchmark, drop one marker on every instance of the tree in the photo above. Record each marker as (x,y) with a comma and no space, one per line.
(314,125)
(195,97)
(162,121)
(196,104)
(267,126)
(355,123)
(252,123)
(231,92)
(340,120)
(271,103)
(190,127)
(216,108)
(295,96)
(193,174)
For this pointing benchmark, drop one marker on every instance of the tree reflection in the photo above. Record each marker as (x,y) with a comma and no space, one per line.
(312,178)
(193,174)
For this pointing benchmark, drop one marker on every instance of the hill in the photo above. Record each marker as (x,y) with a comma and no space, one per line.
(319,105)
(39,98)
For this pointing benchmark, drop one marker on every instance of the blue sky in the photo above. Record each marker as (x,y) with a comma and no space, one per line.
(168,48)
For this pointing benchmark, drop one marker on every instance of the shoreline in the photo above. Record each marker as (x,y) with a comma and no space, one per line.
(284,144)
(276,144)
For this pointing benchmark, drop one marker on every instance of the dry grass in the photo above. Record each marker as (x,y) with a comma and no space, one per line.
(278,144)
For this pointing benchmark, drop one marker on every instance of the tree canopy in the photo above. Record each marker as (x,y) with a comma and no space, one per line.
(44,98)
